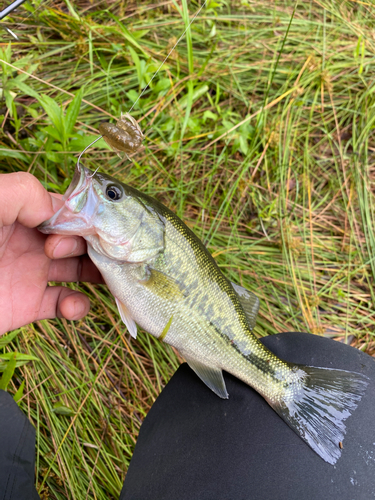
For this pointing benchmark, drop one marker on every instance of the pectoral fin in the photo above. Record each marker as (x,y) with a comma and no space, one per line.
(163,285)
(126,318)
(249,302)
(211,376)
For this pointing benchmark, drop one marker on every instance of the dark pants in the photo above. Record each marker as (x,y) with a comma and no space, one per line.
(17,452)
(194,445)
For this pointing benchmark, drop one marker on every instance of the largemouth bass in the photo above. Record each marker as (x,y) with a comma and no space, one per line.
(164,279)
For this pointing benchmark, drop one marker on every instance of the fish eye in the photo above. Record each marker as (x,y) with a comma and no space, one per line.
(113,192)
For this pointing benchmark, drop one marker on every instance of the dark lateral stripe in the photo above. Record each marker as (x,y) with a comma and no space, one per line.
(263,364)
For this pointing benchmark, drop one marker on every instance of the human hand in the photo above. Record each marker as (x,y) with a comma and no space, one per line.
(30,259)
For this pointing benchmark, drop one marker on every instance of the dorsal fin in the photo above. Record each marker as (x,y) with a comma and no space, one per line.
(249,302)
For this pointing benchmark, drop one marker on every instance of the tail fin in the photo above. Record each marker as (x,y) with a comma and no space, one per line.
(322,401)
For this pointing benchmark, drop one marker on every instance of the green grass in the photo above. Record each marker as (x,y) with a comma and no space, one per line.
(284,201)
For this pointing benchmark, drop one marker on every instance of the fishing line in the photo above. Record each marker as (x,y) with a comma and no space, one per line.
(156,72)
(170,52)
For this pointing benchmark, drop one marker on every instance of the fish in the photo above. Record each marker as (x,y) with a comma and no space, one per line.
(165,280)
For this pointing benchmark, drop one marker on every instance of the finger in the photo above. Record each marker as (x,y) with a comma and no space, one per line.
(23,198)
(62,302)
(74,269)
(58,247)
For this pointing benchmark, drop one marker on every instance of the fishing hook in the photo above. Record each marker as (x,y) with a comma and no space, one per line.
(86,148)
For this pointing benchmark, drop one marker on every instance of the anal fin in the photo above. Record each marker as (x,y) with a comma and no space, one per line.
(211,376)
(126,318)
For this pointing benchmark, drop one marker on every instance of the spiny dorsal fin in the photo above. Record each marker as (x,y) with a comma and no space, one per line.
(126,318)
(249,302)
(211,376)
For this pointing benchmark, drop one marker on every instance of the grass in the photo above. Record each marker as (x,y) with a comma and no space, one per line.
(259,134)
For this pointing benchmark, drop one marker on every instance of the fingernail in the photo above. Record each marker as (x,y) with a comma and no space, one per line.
(65,247)
(57,203)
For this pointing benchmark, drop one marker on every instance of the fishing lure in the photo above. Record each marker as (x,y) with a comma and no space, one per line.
(125,136)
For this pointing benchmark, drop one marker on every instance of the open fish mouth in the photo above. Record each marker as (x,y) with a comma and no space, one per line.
(78,179)
(80,203)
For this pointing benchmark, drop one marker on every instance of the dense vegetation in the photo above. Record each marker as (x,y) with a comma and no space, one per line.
(259,134)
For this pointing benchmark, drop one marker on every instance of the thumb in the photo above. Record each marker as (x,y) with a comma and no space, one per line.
(62,302)
(23,198)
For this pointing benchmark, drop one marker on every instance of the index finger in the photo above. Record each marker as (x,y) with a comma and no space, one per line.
(23,198)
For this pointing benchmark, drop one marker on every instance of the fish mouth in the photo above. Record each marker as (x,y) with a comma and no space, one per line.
(80,204)
(78,179)
(63,222)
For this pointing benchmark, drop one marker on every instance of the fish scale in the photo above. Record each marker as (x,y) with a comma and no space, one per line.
(164,279)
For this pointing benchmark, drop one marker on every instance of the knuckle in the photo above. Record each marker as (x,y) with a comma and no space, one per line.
(27,182)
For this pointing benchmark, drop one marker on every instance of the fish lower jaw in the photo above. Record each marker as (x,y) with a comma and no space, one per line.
(66,222)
